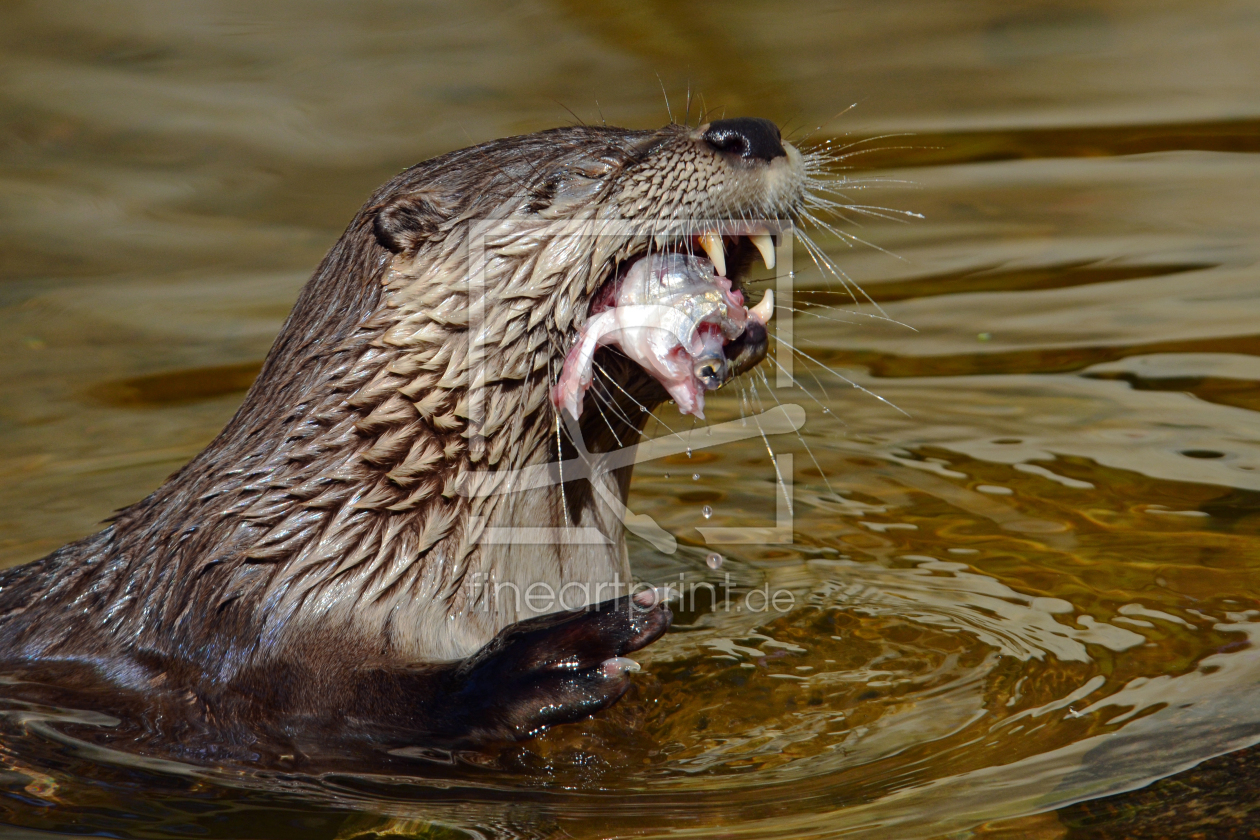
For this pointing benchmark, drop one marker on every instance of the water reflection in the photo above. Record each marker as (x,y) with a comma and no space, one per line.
(1037,588)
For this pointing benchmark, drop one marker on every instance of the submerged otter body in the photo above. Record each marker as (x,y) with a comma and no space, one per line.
(322,571)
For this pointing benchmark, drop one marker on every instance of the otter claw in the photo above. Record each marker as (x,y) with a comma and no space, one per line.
(619,665)
(651,597)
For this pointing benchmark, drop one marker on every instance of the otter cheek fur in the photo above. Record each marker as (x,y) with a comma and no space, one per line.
(319,576)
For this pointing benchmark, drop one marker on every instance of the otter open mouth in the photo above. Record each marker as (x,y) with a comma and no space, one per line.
(680,316)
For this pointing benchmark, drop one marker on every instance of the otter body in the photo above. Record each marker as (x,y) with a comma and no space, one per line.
(321,570)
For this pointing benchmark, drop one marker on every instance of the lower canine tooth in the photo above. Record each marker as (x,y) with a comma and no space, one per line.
(711,242)
(764,310)
(765,245)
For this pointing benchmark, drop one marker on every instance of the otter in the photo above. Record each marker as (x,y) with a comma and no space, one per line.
(320,573)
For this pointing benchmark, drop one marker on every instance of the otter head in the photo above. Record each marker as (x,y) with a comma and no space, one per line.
(504,253)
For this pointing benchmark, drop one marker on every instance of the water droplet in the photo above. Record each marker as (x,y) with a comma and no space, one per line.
(826,411)
(707,511)
(642,409)
(667,475)
(695,476)
(688,451)
(714,561)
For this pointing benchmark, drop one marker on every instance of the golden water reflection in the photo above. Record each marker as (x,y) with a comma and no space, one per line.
(1024,577)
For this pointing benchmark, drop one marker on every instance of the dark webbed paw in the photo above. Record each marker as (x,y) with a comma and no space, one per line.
(552,669)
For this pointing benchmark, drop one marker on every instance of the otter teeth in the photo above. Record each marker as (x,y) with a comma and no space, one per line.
(765,244)
(711,242)
(764,310)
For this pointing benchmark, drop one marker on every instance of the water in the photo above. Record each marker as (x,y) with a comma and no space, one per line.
(1036,586)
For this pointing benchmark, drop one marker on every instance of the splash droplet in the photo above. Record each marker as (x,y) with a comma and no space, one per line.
(688,451)
(707,511)
(667,475)
(714,561)
(695,476)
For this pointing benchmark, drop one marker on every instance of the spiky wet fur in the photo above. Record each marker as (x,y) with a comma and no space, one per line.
(324,526)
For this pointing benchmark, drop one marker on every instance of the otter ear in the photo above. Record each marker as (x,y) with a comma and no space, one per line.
(407,221)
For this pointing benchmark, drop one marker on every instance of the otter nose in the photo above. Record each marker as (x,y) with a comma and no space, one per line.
(749,137)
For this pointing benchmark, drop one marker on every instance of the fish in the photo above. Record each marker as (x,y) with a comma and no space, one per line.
(671,313)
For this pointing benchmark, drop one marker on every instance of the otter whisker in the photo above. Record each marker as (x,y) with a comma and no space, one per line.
(831,185)
(564,502)
(844,378)
(849,239)
(796,383)
(668,110)
(854,238)
(824,148)
(856,313)
(606,395)
(821,259)
(826,265)
(601,396)
(822,155)
(832,119)
(649,412)
(779,306)
(773,460)
(887,214)
(818,381)
(576,118)
(826,191)
(799,436)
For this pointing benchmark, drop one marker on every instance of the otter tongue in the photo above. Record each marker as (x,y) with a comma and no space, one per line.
(672,315)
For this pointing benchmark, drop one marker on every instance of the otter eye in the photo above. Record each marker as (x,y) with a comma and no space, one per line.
(561,190)
(545,193)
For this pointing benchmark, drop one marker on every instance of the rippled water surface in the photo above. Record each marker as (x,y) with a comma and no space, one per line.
(1024,576)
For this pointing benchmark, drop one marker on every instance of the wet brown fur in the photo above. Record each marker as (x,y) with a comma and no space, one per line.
(313,562)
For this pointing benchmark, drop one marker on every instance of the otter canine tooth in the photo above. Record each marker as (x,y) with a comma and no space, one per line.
(764,310)
(765,244)
(711,242)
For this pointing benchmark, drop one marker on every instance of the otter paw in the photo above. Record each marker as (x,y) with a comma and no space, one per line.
(553,669)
